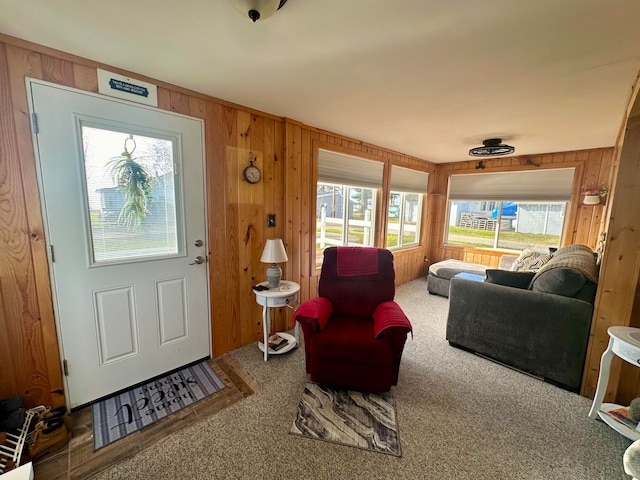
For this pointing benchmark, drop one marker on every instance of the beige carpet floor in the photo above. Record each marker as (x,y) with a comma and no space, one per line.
(460,417)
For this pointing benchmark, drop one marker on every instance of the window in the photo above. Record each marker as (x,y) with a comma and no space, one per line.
(405,206)
(509,225)
(348,190)
(346,200)
(509,210)
(115,236)
(345,216)
(403,220)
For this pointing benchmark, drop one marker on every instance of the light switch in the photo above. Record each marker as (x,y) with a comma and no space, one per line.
(271,219)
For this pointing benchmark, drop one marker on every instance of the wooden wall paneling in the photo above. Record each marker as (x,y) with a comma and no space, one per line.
(290,179)
(258,223)
(383,208)
(23,63)
(216,167)
(9,372)
(164,98)
(279,186)
(179,102)
(264,144)
(17,276)
(620,268)
(313,273)
(593,160)
(293,192)
(247,231)
(570,228)
(198,109)
(307,215)
(234,234)
(57,70)
(85,78)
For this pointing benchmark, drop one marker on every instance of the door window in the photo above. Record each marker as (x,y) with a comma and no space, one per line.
(131,191)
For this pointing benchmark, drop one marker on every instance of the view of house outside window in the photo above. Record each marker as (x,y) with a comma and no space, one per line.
(506,225)
(403,220)
(345,215)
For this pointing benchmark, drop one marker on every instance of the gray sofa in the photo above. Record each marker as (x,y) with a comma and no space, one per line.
(535,322)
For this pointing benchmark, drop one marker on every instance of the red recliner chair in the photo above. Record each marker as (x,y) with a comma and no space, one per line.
(354,332)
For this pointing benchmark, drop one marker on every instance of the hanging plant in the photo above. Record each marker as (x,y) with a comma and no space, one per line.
(135,181)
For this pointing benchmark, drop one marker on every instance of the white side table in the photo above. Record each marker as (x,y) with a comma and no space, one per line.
(625,343)
(286,295)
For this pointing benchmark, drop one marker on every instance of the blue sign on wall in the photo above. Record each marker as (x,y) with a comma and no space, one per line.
(131,89)
(128,87)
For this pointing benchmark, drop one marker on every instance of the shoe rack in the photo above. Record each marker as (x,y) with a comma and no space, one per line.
(11,449)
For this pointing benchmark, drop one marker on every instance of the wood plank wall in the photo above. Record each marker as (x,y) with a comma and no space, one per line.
(584,222)
(618,298)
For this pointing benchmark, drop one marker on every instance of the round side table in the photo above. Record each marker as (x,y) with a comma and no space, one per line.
(624,342)
(286,295)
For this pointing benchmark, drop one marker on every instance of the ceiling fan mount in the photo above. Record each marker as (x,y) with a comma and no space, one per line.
(492,147)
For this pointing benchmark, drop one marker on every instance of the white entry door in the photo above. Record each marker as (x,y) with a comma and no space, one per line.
(122,190)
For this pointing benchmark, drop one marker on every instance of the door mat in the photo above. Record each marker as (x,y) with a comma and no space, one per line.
(122,414)
(356,419)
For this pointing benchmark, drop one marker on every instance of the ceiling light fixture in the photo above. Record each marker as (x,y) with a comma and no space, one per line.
(493,147)
(257,9)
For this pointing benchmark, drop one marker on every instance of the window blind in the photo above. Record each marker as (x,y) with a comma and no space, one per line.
(407,180)
(345,169)
(554,185)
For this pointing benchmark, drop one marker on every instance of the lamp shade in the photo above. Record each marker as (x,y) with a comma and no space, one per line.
(274,251)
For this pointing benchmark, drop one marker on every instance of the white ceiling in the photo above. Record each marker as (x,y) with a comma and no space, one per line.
(430,78)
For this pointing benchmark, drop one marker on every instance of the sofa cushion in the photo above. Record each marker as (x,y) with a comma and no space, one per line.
(572,249)
(560,281)
(508,278)
(529,261)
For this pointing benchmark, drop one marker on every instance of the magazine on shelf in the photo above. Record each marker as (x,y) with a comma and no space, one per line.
(276,342)
(622,415)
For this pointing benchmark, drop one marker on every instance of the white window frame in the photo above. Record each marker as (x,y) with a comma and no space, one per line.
(498,223)
(346,221)
(401,220)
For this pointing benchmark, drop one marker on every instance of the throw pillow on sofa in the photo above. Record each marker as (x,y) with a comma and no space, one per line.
(509,279)
(529,261)
(560,281)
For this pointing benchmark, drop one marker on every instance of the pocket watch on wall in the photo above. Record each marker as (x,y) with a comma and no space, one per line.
(252,173)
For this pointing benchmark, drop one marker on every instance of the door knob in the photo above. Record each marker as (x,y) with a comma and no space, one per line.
(199,259)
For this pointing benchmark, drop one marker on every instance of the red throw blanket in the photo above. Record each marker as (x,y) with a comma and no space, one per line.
(318,307)
(389,314)
(355,261)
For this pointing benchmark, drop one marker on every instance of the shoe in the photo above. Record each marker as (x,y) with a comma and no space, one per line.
(54,412)
(47,437)
(50,413)
(58,412)
(9,405)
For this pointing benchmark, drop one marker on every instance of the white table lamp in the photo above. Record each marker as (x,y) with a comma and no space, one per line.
(274,253)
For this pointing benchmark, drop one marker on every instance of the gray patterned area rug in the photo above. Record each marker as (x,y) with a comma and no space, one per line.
(356,419)
(122,414)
